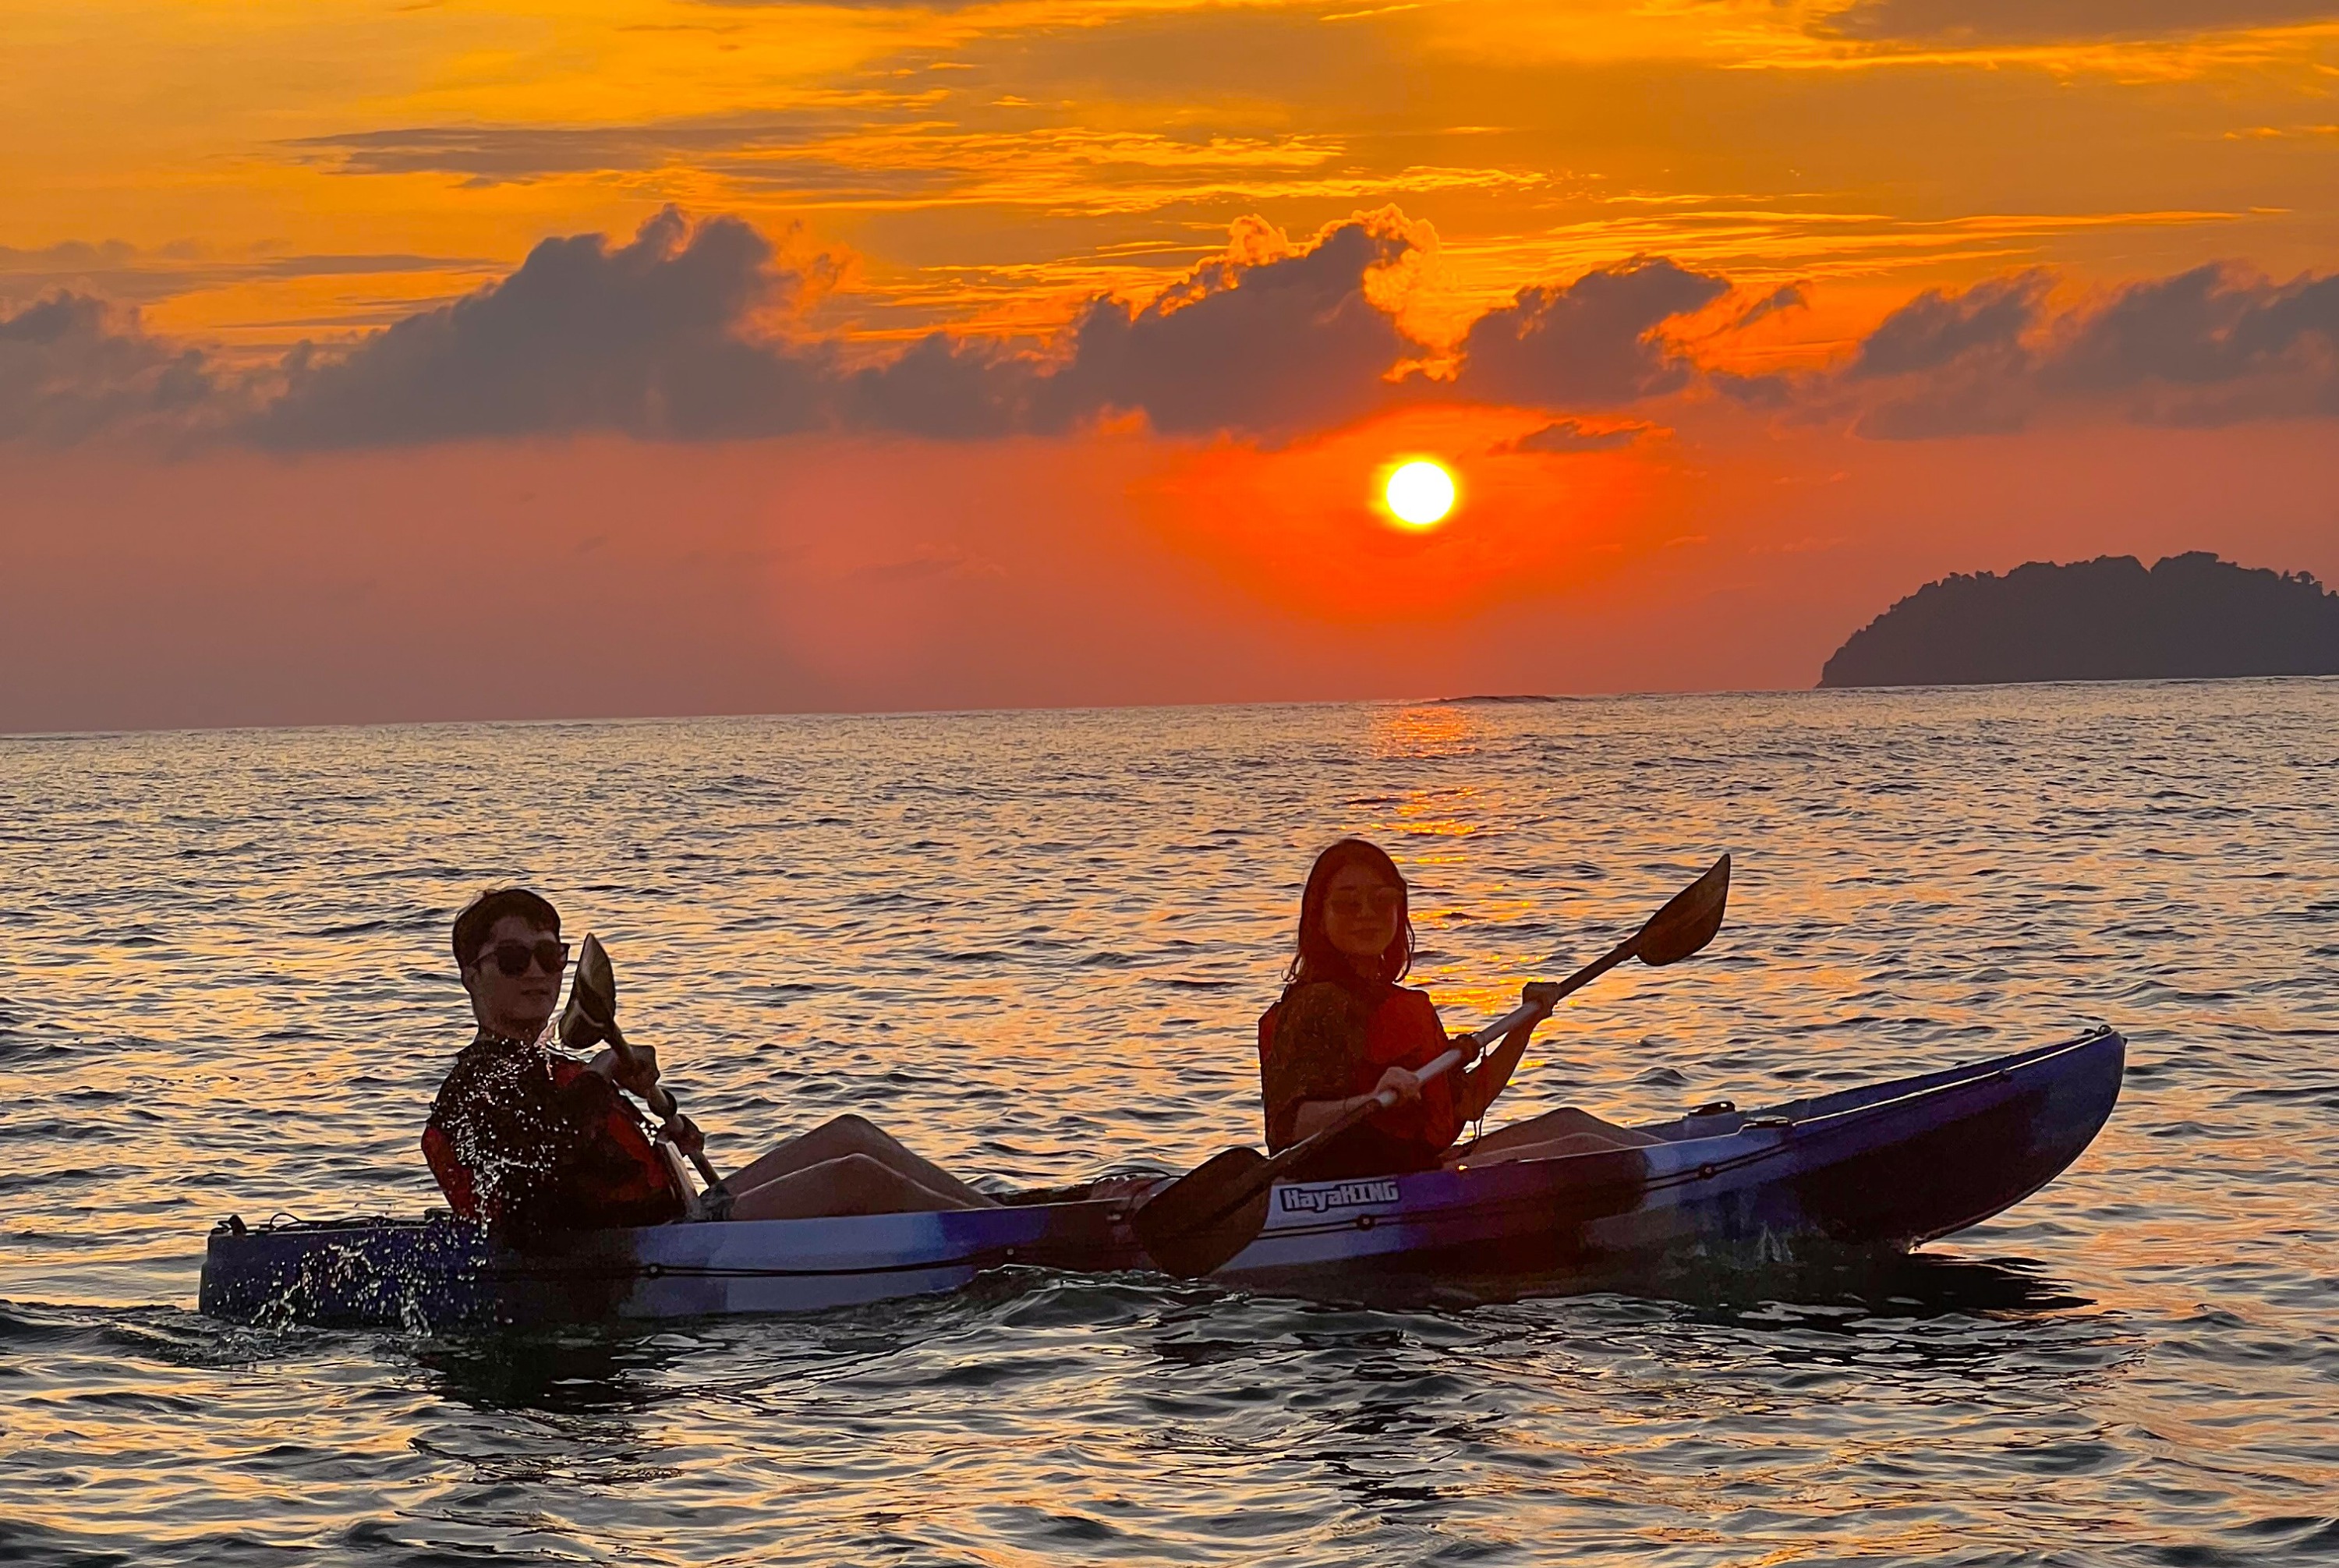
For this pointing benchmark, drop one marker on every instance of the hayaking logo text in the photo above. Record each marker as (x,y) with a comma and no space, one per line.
(1337,1195)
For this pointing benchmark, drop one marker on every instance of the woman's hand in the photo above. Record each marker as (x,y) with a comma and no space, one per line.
(1404,1083)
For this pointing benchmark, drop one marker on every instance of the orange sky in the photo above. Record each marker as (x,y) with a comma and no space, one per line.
(1047,352)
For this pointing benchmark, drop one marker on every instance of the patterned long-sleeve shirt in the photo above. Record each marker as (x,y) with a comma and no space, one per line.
(1311,1049)
(1324,1041)
(533,1132)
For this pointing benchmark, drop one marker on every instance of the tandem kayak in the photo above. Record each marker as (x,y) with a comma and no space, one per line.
(1879,1168)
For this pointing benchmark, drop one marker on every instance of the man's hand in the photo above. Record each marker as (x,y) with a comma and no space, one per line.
(686,1134)
(1543,994)
(640,1077)
(1407,1086)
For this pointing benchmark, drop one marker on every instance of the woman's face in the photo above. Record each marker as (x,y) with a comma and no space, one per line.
(1361,909)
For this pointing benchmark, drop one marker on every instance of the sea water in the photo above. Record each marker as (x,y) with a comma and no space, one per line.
(1034,945)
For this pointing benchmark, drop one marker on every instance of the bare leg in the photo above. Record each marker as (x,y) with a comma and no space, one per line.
(849,1135)
(854,1184)
(1549,1136)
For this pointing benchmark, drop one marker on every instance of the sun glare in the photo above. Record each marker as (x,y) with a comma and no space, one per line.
(1419,493)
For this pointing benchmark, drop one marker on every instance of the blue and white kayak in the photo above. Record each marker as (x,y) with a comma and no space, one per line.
(1881,1168)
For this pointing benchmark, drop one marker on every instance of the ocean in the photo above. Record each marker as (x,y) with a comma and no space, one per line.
(1034,946)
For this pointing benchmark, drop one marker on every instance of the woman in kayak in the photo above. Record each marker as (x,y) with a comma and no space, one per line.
(527,1140)
(1345,1030)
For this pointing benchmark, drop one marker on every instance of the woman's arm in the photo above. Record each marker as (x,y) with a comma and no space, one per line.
(1482,1084)
(1310,1116)
(1314,1034)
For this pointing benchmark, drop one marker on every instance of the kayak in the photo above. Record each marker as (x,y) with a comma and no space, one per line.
(1879,1168)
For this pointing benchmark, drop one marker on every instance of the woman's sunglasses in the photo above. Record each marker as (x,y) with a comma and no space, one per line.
(514,957)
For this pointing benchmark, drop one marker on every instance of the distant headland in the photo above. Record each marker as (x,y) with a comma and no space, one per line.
(2191,617)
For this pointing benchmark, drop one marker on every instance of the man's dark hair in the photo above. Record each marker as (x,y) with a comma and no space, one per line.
(479,917)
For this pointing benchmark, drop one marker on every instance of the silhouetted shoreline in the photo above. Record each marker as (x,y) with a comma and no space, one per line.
(2191,617)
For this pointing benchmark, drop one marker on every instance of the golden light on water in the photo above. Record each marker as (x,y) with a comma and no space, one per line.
(1419,493)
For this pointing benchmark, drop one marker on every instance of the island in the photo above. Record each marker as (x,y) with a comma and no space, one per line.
(2191,617)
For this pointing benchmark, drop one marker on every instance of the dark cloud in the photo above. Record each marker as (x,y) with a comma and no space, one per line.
(1938,329)
(1592,342)
(2052,21)
(1269,346)
(2215,345)
(654,339)
(71,366)
(1566,436)
(2207,327)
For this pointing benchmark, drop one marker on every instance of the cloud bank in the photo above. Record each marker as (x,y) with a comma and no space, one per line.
(694,331)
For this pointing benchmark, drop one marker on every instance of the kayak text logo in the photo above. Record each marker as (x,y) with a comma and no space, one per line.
(1337,1195)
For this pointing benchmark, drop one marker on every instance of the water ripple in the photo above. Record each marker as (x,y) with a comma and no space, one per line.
(1034,944)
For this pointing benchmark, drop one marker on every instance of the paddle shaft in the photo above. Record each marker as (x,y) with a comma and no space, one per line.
(661,1104)
(1437,1065)
(1525,1013)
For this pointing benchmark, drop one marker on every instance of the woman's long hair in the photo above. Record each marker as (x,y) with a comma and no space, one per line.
(1317,959)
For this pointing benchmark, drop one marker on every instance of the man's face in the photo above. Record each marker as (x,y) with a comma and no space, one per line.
(516,1004)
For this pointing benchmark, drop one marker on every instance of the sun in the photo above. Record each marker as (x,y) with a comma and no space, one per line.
(1419,493)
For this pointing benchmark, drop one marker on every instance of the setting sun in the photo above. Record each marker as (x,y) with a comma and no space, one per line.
(1419,493)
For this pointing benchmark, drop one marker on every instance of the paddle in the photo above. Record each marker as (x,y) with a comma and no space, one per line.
(590,1019)
(1215,1210)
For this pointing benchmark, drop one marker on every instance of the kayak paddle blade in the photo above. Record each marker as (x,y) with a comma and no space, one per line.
(591,1015)
(1688,921)
(1204,1217)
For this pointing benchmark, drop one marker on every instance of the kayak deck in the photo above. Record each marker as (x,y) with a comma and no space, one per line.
(1883,1166)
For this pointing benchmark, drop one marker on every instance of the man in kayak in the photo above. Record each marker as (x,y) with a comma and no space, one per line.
(527,1140)
(1344,1031)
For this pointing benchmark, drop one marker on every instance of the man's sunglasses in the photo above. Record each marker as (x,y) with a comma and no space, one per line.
(514,957)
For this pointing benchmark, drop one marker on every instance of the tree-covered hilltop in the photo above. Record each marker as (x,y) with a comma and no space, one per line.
(2190,617)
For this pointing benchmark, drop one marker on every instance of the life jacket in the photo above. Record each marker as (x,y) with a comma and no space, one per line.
(1402,1031)
(641,1189)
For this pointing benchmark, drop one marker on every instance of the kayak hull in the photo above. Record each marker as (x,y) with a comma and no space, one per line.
(1882,1167)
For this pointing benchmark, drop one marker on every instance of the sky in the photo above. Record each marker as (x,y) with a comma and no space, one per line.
(413,361)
